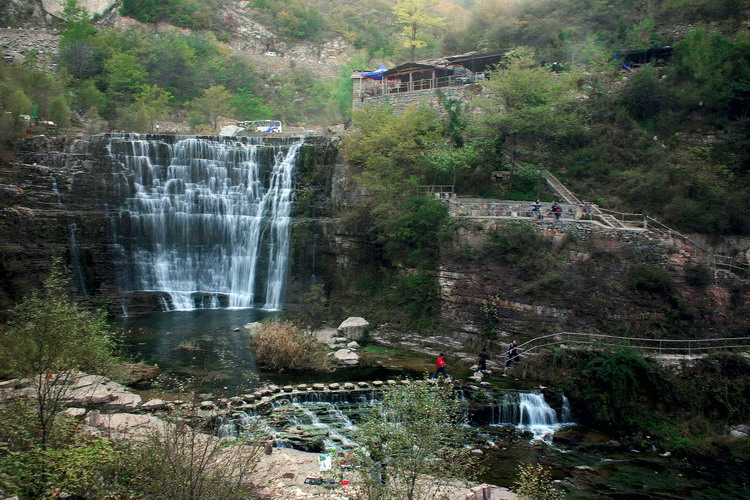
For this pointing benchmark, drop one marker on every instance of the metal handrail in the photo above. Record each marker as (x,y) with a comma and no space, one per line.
(693,345)
(398,86)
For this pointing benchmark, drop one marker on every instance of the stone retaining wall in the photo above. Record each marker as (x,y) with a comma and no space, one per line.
(432,98)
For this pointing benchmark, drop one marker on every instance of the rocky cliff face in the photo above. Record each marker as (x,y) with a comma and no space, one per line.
(60,196)
(34,23)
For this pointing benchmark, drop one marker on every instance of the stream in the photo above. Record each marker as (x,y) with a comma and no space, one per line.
(520,427)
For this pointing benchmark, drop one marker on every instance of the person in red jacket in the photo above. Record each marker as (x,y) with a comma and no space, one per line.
(440,366)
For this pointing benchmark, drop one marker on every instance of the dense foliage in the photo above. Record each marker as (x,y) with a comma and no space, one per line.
(618,390)
(185,13)
(413,441)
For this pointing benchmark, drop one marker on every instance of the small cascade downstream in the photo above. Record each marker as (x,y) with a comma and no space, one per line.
(206,221)
(530,412)
(314,421)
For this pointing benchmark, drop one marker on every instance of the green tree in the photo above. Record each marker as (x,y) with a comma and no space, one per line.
(215,102)
(50,338)
(59,112)
(416,19)
(535,483)
(531,111)
(414,439)
(248,106)
(389,148)
(125,77)
(149,105)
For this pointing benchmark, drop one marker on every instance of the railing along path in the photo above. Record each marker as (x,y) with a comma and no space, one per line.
(652,347)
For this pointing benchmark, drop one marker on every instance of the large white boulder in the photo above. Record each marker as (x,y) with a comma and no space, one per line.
(55,7)
(353,328)
(346,357)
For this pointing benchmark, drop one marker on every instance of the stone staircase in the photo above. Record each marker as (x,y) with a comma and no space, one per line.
(567,195)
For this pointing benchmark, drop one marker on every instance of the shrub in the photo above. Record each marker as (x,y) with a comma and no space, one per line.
(188,462)
(280,346)
(50,338)
(413,236)
(651,280)
(698,275)
(535,483)
(417,431)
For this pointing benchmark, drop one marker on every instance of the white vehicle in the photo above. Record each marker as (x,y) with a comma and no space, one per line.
(262,126)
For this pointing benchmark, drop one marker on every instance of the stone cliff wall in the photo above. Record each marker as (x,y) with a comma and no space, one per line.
(58,197)
(591,284)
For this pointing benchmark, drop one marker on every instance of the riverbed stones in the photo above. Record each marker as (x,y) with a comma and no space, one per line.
(126,425)
(288,388)
(327,336)
(154,405)
(319,387)
(346,357)
(353,328)
(75,412)
(377,383)
(302,387)
(251,327)
(391,382)
(274,388)
(349,386)
(363,385)
(334,386)
(207,405)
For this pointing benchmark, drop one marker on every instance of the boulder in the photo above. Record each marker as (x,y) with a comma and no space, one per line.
(319,387)
(349,386)
(139,372)
(346,357)
(363,385)
(327,335)
(252,326)
(334,386)
(94,390)
(75,412)
(131,426)
(56,7)
(353,328)
(377,383)
(154,404)
(353,345)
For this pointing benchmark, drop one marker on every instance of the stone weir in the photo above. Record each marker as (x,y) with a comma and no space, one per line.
(91,200)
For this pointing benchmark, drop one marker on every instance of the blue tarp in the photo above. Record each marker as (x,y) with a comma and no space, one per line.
(377,74)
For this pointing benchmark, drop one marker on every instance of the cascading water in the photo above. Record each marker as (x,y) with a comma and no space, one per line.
(529,411)
(75,260)
(206,222)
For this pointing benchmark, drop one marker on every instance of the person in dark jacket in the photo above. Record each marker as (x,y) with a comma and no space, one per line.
(512,354)
(483,357)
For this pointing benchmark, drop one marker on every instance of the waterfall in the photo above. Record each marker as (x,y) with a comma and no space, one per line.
(529,411)
(75,260)
(206,221)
